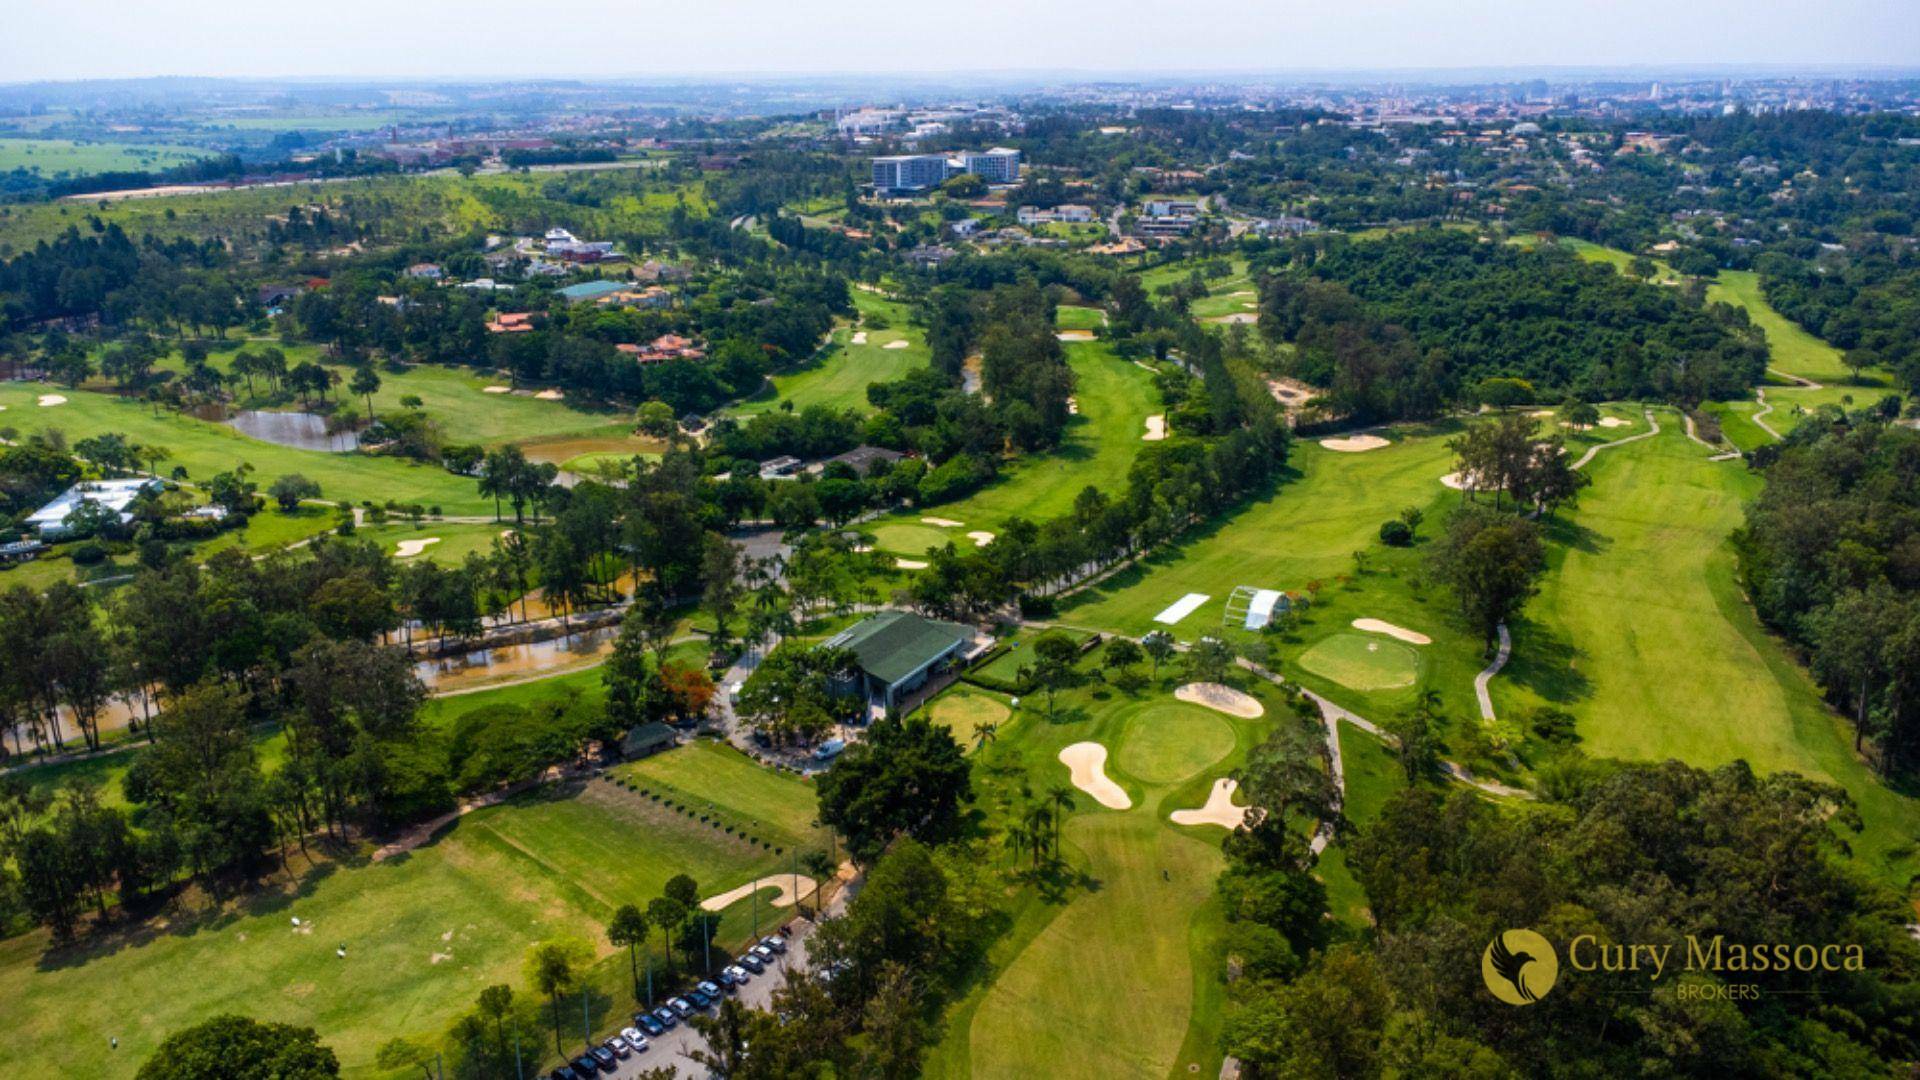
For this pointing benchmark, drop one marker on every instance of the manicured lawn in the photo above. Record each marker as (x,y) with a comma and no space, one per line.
(1115,399)
(907,537)
(965,708)
(1641,631)
(1362,662)
(423,934)
(838,377)
(1372,776)
(716,777)
(455,540)
(1074,317)
(1126,972)
(204,449)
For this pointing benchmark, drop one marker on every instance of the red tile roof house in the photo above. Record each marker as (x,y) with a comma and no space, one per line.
(663,348)
(516,323)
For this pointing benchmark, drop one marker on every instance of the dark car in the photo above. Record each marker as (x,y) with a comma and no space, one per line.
(701,999)
(665,1017)
(726,980)
(752,963)
(645,1022)
(585,1067)
(608,1060)
(775,942)
(564,1072)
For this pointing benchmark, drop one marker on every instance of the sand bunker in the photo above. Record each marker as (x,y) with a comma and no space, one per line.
(910,564)
(860,337)
(895,345)
(1221,698)
(1460,482)
(1219,809)
(1378,626)
(496,389)
(407,549)
(1074,335)
(980,537)
(1156,429)
(1290,393)
(944,523)
(1237,317)
(1354,444)
(47,401)
(1087,762)
(1541,414)
(784,882)
(1614,421)
(549,395)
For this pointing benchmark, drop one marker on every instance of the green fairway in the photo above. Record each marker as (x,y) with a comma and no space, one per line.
(204,449)
(1125,971)
(452,542)
(1362,662)
(839,376)
(423,933)
(1641,631)
(58,157)
(964,709)
(1115,399)
(907,537)
(1073,317)
(714,776)
(1372,776)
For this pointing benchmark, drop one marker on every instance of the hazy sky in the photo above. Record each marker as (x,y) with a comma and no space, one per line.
(64,39)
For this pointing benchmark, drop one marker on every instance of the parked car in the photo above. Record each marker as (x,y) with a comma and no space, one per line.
(586,1067)
(647,1023)
(699,998)
(681,1007)
(775,942)
(738,974)
(635,1041)
(752,963)
(765,954)
(666,1017)
(607,1059)
(564,1072)
(618,1045)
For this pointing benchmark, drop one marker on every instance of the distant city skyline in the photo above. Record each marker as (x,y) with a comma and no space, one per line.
(495,39)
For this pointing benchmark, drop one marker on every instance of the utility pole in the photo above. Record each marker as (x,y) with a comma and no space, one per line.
(586,1025)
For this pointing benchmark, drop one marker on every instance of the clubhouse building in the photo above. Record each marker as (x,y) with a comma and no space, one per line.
(898,652)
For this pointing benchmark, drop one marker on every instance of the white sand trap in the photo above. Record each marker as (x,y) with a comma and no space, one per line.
(1074,335)
(407,549)
(944,523)
(896,344)
(496,389)
(1219,809)
(1379,626)
(1614,421)
(48,401)
(1461,482)
(783,882)
(860,337)
(1243,317)
(1541,414)
(1087,762)
(980,537)
(862,549)
(910,564)
(1181,608)
(1354,444)
(1243,292)
(1221,698)
(549,395)
(1156,428)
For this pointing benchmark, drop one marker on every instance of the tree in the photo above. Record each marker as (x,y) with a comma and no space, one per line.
(291,489)
(553,968)
(1053,668)
(629,927)
(1580,414)
(1209,660)
(401,1052)
(365,383)
(496,1004)
(213,1049)
(907,777)
(665,913)
(1158,644)
(655,418)
(1121,657)
(1491,561)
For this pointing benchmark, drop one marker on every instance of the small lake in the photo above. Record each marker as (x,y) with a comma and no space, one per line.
(504,663)
(297,430)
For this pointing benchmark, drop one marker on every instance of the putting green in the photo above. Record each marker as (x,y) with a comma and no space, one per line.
(1169,741)
(961,711)
(913,540)
(1361,662)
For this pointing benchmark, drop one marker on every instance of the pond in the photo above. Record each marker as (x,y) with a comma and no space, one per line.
(507,663)
(297,430)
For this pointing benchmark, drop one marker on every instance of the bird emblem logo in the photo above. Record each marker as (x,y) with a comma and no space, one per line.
(1519,967)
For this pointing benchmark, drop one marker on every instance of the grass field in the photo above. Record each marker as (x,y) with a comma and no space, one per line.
(1115,399)
(964,708)
(1075,317)
(205,449)
(839,375)
(719,778)
(1362,661)
(1641,631)
(424,931)
(57,157)
(1124,966)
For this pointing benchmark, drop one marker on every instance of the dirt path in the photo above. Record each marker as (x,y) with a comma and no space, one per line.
(1759,415)
(1653,428)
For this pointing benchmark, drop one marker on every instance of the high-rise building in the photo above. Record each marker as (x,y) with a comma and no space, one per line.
(909,172)
(996,166)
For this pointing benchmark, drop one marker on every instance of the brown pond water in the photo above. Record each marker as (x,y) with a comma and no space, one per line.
(297,430)
(506,663)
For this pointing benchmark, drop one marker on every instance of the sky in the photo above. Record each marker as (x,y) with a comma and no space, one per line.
(73,39)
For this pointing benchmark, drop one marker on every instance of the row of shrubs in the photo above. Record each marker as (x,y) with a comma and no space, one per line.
(711,819)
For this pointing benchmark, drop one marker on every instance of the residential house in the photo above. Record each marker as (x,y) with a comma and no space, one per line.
(425,271)
(512,323)
(865,460)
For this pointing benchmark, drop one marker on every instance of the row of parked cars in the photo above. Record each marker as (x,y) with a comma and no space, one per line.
(708,993)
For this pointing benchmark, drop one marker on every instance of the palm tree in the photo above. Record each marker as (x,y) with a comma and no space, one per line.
(629,927)
(666,913)
(1038,824)
(985,733)
(1060,798)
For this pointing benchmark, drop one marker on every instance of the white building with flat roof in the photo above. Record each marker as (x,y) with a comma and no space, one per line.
(112,495)
(996,166)
(909,172)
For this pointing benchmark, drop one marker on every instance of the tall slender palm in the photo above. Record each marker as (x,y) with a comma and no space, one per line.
(1060,799)
(985,733)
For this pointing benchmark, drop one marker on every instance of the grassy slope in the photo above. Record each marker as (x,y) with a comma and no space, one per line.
(839,375)
(206,448)
(477,897)
(1133,954)
(1641,631)
(51,157)
(1115,400)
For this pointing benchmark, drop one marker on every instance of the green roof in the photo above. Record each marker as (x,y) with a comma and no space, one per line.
(647,738)
(894,644)
(588,290)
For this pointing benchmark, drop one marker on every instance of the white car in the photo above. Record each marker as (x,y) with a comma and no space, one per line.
(740,975)
(634,1039)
